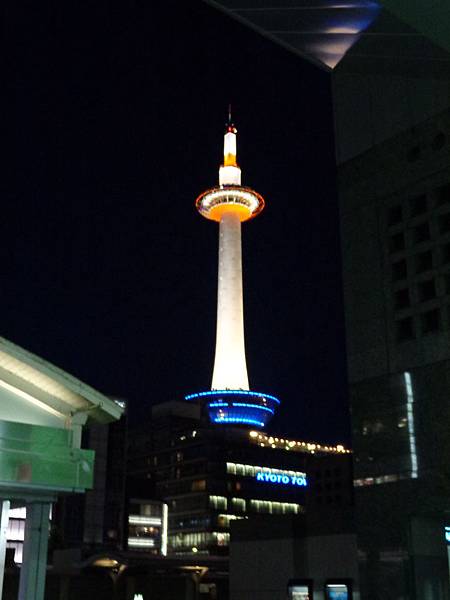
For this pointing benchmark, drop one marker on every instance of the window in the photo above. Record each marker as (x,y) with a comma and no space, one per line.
(402,299)
(413,154)
(423,262)
(399,270)
(445,254)
(395,215)
(439,141)
(224,520)
(443,195)
(405,329)
(418,205)
(397,242)
(198,485)
(447,283)
(426,290)
(421,233)
(430,321)
(444,223)
(218,502)
(238,504)
(271,507)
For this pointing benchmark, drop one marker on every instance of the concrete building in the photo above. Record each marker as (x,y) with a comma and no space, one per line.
(298,558)
(97,519)
(42,414)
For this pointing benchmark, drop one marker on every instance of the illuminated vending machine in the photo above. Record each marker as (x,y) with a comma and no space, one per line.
(338,590)
(300,589)
(335,589)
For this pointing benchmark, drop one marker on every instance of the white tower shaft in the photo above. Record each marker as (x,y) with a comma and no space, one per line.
(230,368)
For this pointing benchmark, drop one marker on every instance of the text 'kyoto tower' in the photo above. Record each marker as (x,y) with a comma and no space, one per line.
(230,204)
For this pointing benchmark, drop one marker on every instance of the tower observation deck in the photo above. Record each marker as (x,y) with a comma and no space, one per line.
(230,399)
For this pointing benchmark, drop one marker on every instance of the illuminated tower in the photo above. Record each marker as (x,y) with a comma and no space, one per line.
(230,204)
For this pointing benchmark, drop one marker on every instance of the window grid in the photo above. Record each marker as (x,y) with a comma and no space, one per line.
(417,246)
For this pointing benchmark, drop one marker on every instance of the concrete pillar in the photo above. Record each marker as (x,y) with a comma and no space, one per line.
(33,570)
(4,516)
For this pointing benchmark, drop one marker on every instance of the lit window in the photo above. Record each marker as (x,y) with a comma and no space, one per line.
(198,485)
(218,502)
(238,504)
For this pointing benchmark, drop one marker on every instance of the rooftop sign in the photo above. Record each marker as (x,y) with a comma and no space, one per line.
(282,479)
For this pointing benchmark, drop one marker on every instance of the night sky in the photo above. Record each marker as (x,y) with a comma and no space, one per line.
(113,118)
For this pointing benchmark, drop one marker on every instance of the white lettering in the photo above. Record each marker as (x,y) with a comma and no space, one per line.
(279,478)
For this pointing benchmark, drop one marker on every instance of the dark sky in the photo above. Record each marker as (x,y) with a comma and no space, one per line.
(113,118)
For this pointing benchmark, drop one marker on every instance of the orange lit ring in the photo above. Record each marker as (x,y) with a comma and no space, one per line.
(218,196)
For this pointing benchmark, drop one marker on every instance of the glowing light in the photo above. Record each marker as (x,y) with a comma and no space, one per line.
(165,526)
(30,399)
(246,420)
(297,446)
(230,198)
(140,542)
(230,392)
(279,478)
(411,428)
(142,520)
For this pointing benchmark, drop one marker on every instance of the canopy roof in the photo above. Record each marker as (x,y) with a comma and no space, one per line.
(411,33)
(53,389)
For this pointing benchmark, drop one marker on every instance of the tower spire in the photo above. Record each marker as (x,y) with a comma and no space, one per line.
(229,172)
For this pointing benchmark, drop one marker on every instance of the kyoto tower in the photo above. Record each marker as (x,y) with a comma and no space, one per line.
(230,204)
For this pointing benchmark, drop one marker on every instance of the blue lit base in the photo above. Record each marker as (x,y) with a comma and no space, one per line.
(238,407)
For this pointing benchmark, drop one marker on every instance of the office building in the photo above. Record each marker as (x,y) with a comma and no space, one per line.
(210,475)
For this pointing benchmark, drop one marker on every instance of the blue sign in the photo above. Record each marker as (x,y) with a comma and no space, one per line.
(281,479)
(447,534)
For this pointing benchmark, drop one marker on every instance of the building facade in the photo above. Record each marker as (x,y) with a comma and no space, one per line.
(395,217)
(210,475)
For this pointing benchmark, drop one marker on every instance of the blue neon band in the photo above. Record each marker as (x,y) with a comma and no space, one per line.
(231,392)
(238,420)
(256,406)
